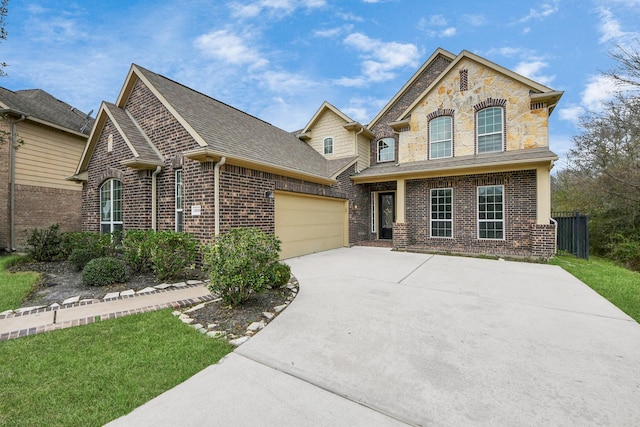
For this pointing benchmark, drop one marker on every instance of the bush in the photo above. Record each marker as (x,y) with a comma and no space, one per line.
(625,250)
(241,263)
(279,274)
(44,244)
(137,246)
(104,271)
(80,257)
(171,253)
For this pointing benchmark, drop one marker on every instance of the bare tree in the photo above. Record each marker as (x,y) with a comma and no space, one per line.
(3,32)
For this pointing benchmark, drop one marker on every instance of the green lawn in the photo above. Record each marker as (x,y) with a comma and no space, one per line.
(89,375)
(14,287)
(617,284)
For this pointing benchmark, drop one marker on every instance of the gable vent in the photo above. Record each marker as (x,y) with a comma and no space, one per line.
(538,105)
(464,80)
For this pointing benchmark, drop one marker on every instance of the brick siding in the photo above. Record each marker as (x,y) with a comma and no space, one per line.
(4,193)
(41,207)
(523,238)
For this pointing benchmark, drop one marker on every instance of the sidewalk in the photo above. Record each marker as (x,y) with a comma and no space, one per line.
(48,319)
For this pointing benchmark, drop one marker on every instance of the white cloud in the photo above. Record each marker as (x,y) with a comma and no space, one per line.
(437,20)
(230,48)
(285,83)
(274,7)
(571,114)
(332,32)
(544,11)
(599,90)
(474,20)
(532,68)
(609,26)
(448,32)
(380,59)
(350,17)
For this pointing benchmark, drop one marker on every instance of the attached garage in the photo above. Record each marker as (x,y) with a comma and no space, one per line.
(306,224)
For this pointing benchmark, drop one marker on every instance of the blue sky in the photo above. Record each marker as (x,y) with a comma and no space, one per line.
(279,59)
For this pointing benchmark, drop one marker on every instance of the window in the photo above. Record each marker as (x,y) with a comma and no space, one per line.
(386,150)
(440,137)
(111,206)
(491,212)
(328,145)
(441,212)
(490,132)
(373,211)
(178,197)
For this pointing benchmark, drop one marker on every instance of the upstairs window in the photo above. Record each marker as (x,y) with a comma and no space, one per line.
(178,198)
(440,137)
(111,206)
(328,145)
(490,130)
(386,150)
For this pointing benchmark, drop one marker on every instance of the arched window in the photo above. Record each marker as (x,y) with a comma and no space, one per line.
(111,206)
(490,130)
(386,150)
(440,137)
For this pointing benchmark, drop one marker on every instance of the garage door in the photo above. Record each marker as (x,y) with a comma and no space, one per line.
(308,224)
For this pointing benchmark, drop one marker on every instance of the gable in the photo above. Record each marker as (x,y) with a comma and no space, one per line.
(467,86)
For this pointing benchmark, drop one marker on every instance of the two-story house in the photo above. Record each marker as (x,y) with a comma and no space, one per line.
(457,161)
(43,139)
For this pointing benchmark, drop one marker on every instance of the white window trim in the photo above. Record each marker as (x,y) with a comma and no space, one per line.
(442,140)
(393,151)
(178,209)
(111,222)
(374,197)
(431,220)
(324,147)
(503,220)
(492,133)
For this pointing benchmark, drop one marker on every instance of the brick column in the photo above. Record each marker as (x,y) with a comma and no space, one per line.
(400,236)
(543,241)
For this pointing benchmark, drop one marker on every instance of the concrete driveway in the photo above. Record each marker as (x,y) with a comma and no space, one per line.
(386,338)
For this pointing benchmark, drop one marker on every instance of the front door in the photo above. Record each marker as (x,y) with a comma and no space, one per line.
(386,204)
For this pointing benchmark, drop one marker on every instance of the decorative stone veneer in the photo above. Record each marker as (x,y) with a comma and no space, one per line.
(524,127)
(523,237)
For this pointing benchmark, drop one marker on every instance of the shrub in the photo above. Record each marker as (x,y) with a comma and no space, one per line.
(626,250)
(104,271)
(80,257)
(279,274)
(171,253)
(137,245)
(44,244)
(239,263)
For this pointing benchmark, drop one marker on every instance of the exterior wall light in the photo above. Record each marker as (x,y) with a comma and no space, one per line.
(269,194)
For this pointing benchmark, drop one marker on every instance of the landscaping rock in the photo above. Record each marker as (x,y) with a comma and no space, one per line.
(112,295)
(256,326)
(239,341)
(128,292)
(279,308)
(268,315)
(147,290)
(71,300)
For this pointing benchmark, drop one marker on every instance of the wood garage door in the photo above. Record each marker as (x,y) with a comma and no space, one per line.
(308,224)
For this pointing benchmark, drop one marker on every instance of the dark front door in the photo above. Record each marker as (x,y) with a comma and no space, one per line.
(386,205)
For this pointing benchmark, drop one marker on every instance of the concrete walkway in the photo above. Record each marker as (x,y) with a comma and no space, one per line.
(48,319)
(376,337)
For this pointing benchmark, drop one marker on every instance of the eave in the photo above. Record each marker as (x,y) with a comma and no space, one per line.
(206,154)
(456,169)
(137,163)
(78,177)
(357,127)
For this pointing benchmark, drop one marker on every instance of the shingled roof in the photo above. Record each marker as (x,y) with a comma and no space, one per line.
(43,107)
(234,133)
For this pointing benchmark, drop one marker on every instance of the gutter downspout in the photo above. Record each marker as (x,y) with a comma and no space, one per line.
(12,195)
(216,195)
(555,241)
(154,198)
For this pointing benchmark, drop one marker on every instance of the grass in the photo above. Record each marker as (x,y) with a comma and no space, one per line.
(90,375)
(617,284)
(14,287)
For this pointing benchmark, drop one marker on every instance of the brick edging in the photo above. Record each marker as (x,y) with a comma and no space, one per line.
(88,320)
(92,301)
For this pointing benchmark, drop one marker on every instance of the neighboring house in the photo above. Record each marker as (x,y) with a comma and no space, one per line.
(43,139)
(457,161)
